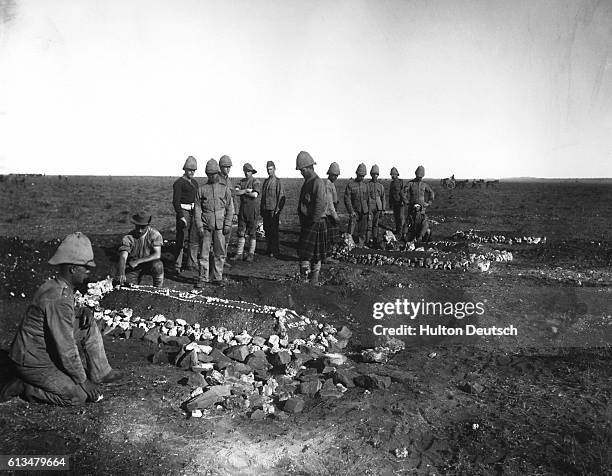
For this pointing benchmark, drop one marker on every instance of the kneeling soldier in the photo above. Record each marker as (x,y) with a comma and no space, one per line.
(140,252)
(45,350)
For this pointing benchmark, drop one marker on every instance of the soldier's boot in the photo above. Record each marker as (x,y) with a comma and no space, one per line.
(304,270)
(239,250)
(314,274)
(251,255)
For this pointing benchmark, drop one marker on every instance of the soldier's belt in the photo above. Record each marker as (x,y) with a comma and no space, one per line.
(188,206)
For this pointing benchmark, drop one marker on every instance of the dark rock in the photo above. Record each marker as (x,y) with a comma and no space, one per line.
(213,395)
(177,341)
(257,361)
(373,381)
(280,358)
(237,352)
(471,387)
(196,379)
(220,346)
(138,332)
(329,390)
(204,358)
(345,377)
(152,335)
(237,369)
(218,357)
(310,387)
(294,405)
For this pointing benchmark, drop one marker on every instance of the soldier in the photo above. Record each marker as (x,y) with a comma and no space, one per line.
(214,209)
(140,252)
(356,201)
(312,246)
(395,200)
(45,349)
(417,225)
(419,192)
(225,164)
(248,190)
(376,205)
(272,203)
(183,199)
(331,205)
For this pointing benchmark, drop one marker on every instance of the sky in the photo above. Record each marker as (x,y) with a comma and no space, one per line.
(477,88)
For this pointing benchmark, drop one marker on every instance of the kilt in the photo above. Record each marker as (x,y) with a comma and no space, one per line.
(333,231)
(313,242)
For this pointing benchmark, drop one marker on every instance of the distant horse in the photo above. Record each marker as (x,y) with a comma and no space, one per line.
(461,183)
(492,183)
(477,183)
(448,183)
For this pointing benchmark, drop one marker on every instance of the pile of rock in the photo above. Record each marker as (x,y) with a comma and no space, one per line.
(261,375)
(473,235)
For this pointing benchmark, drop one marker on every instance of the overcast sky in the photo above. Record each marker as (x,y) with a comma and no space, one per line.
(475,88)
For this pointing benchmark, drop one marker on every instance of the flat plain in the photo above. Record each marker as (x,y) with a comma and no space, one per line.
(542,404)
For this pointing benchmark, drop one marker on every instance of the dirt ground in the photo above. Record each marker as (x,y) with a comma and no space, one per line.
(535,403)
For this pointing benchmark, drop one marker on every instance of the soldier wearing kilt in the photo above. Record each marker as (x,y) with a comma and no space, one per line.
(313,243)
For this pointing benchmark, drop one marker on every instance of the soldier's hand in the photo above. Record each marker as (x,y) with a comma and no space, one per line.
(226,229)
(201,231)
(183,222)
(86,318)
(93,394)
(121,278)
(133,263)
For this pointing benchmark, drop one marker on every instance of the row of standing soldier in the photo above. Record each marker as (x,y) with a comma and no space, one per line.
(204,213)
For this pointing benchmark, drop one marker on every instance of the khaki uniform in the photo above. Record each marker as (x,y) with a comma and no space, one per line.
(377,206)
(214,210)
(357,203)
(45,348)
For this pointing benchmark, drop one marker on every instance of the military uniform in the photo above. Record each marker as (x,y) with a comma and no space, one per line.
(356,201)
(183,200)
(272,203)
(45,350)
(247,214)
(214,210)
(227,181)
(313,244)
(331,212)
(377,206)
(396,203)
(141,247)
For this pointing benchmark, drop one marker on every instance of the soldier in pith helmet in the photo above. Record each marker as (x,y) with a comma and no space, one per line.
(45,349)
(183,199)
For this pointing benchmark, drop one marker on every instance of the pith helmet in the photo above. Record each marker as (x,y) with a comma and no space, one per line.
(375,170)
(334,169)
(212,167)
(75,249)
(248,168)
(420,171)
(191,163)
(225,161)
(303,160)
(361,170)
(394,171)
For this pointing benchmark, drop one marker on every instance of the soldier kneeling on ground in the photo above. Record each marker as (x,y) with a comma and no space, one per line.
(140,252)
(45,349)
(416,227)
